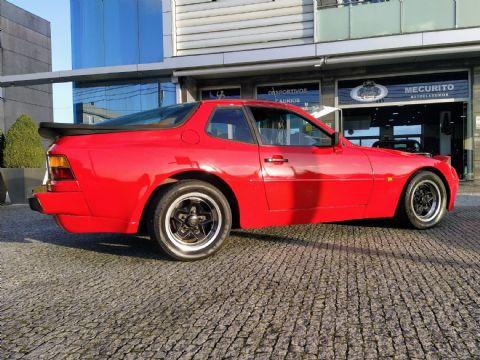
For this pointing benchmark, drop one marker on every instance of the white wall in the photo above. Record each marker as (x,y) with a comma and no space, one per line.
(206,26)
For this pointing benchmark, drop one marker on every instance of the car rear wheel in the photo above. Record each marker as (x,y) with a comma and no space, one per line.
(191,220)
(424,203)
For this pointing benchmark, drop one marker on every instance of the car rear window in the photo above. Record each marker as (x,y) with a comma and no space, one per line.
(165,117)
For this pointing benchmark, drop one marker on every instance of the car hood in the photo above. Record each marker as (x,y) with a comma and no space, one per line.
(413,159)
(370,150)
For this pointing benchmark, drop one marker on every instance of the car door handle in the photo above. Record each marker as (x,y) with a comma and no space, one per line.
(276,160)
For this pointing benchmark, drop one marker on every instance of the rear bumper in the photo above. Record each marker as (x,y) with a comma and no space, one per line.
(71,212)
(91,224)
(56,203)
(35,204)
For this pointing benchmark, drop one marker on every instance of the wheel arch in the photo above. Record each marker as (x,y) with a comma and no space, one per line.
(207,177)
(432,170)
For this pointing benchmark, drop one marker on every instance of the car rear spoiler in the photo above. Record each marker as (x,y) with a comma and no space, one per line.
(445,158)
(53,131)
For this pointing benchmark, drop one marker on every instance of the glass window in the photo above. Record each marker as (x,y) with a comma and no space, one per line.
(282,127)
(116,32)
(121,32)
(304,95)
(417,139)
(220,93)
(90,104)
(87,33)
(168,94)
(150,31)
(230,124)
(407,130)
(373,131)
(123,99)
(165,117)
(96,102)
(150,96)
(368,142)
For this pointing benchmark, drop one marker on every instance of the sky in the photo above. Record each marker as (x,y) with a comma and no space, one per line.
(58,13)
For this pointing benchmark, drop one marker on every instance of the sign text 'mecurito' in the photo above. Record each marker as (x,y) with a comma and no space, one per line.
(429,88)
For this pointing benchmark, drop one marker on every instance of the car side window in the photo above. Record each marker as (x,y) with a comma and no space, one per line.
(230,124)
(285,128)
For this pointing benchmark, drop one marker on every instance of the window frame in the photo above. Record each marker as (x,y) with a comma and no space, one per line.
(247,119)
(259,137)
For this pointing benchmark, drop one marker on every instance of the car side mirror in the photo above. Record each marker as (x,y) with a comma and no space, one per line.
(336,138)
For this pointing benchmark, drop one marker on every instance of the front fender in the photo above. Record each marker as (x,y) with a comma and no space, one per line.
(392,171)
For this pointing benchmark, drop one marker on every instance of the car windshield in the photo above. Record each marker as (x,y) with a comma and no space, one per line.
(166,117)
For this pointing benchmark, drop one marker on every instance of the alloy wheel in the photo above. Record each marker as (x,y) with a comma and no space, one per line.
(426,200)
(193,221)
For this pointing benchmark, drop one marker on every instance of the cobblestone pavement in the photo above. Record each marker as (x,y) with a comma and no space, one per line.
(355,290)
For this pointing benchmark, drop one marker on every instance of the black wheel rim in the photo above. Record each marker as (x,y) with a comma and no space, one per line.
(193,221)
(426,200)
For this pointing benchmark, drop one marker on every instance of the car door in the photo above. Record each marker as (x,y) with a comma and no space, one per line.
(301,167)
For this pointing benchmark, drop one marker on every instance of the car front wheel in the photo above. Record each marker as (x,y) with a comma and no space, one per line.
(425,201)
(191,220)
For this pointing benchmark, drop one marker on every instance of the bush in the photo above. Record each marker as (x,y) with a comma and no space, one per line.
(2,147)
(23,145)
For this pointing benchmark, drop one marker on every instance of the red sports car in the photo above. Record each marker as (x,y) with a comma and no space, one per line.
(188,173)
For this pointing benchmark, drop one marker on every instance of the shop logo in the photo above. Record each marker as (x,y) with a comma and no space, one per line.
(369,92)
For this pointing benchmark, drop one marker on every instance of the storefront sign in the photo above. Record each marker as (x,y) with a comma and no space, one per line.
(305,95)
(218,94)
(369,92)
(445,86)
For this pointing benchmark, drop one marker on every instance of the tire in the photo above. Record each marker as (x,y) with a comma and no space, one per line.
(424,202)
(191,220)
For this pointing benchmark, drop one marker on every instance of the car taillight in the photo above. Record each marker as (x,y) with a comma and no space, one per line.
(59,168)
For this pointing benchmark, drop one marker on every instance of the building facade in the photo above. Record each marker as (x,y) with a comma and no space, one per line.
(25,47)
(398,69)
(109,33)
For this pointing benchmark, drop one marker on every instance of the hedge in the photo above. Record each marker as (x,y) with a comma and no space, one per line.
(23,145)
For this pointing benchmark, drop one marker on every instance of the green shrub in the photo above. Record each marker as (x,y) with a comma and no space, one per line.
(23,145)
(2,147)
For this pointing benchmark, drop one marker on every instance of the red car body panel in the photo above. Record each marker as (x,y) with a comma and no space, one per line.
(117,173)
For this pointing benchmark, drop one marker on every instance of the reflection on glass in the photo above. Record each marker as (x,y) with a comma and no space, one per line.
(121,32)
(230,124)
(373,131)
(165,117)
(368,142)
(87,33)
(304,95)
(220,93)
(284,128)
(98,102)
(407,130)
(150,31)
(116,32)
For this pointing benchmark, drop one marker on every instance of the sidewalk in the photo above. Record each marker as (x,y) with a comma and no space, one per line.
(470,187)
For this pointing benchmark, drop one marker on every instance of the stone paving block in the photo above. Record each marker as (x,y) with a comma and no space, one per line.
(358,290)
